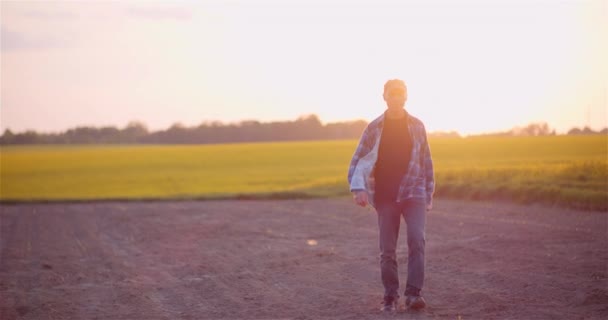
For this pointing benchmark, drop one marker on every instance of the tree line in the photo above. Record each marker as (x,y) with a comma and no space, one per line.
(543,129)
(304,128)
(307,127)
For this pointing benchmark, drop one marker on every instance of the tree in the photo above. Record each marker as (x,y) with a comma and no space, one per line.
(533,129)
(7,137)
(133,132)
(574,131)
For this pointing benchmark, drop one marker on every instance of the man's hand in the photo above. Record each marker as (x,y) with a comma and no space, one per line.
(361,198)
(429,206)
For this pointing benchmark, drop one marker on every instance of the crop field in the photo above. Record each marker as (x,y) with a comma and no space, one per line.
(569,171)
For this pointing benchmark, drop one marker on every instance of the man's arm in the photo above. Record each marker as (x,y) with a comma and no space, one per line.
(363,148)
(428,171)
(360,194)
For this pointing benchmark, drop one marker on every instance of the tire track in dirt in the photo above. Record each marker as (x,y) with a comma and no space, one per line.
(13,255)
(155,252)
(102,280)
(139,289)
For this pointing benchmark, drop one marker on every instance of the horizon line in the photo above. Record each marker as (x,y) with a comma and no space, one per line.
(301,117)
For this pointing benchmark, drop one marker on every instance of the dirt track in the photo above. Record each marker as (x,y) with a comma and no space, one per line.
(257,260)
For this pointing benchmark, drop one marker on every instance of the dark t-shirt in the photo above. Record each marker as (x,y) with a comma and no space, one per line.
(394,155)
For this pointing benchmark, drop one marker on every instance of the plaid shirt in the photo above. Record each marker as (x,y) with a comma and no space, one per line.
(418,182)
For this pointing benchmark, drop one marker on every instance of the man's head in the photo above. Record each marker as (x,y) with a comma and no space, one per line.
(395,93)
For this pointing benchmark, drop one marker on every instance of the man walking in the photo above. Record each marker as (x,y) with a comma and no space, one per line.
(392,170)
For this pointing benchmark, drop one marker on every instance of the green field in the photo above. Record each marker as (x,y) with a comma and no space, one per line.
(564,170)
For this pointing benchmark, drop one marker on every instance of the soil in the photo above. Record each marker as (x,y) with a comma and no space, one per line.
(294,259)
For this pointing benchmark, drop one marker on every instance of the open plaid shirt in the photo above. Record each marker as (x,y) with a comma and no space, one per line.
(418,182)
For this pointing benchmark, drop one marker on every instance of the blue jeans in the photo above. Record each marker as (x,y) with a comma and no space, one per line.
(389,218)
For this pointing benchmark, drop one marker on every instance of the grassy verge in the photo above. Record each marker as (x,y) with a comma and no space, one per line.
(580,185)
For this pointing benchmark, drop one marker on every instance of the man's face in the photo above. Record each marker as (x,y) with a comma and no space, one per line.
(395,97)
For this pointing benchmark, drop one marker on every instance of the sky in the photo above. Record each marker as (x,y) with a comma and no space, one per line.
(470,66)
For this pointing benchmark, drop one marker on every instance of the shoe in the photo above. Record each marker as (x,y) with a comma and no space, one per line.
(415,302)
(389,304)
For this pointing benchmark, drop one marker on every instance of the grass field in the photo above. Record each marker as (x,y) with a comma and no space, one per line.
(565,170)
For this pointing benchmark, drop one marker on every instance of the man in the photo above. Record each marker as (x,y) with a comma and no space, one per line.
(392,170)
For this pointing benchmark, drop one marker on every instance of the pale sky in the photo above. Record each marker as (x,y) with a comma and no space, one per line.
(470,66)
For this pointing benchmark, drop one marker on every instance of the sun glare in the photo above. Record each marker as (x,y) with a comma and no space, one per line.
(483,66)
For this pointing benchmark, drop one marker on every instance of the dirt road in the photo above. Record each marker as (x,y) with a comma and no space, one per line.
(294,259)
